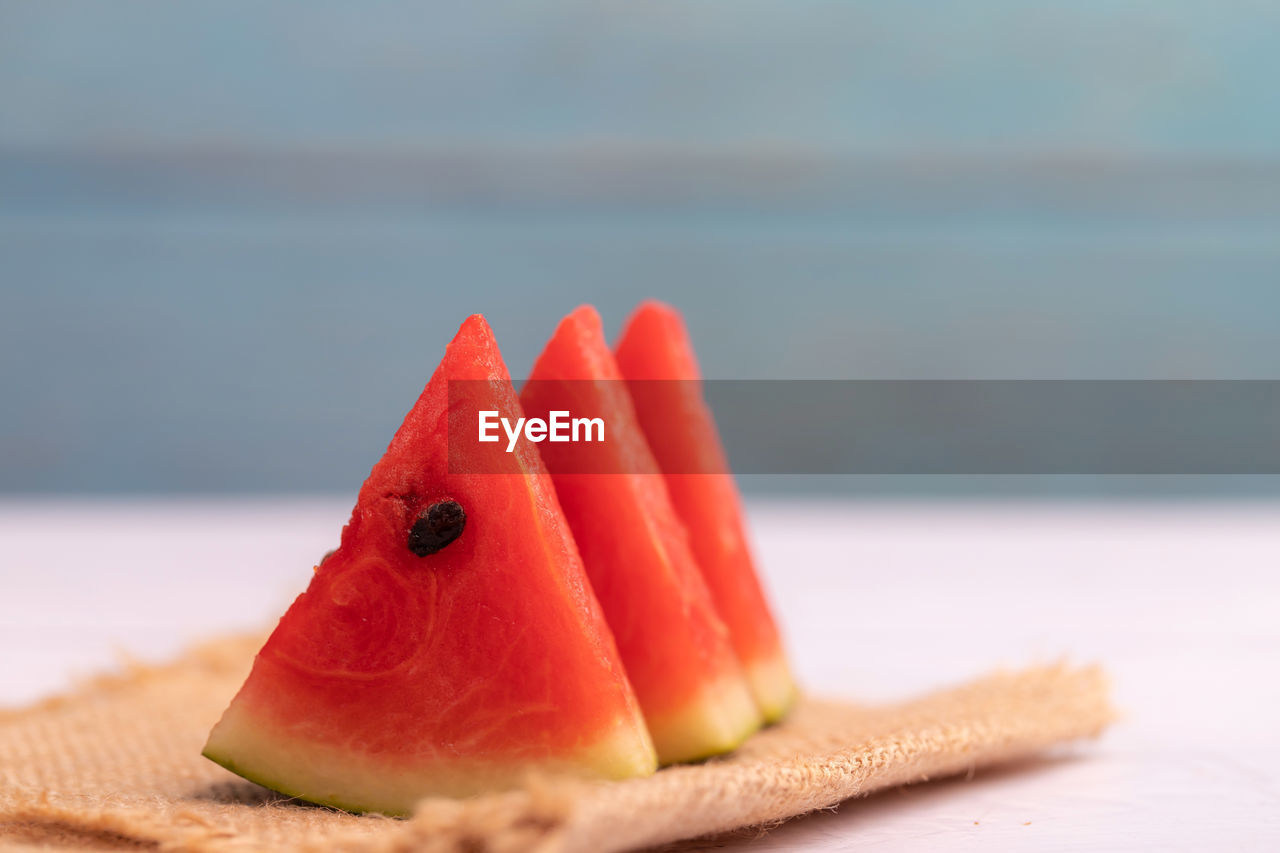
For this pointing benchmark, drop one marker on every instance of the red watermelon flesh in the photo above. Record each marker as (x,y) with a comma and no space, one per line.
(396,676)
(674,645)
(683,437)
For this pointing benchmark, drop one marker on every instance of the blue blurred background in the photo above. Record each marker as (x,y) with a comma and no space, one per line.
(235,236)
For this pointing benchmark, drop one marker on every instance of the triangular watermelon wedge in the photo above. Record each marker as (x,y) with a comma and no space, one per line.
(452,642)
(682,434)
(675,647)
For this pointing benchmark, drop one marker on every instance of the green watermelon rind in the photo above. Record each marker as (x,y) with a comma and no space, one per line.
(281,788)
(773,686)
(316,772)
(719,721)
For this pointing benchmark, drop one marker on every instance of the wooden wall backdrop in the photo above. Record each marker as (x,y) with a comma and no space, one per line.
(234,236)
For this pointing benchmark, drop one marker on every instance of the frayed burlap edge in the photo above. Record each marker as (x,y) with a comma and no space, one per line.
(116,765)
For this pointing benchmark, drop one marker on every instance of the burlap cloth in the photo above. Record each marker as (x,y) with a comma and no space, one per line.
(117,765)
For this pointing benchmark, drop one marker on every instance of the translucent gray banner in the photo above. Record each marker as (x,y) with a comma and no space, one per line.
(942,427)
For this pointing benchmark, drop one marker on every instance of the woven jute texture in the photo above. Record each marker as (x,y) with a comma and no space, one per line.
(117,766)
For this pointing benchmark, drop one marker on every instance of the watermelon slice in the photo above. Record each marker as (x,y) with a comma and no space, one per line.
(674,645)
(682,434)
(452,642)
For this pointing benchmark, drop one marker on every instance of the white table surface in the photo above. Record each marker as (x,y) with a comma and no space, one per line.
(880,601)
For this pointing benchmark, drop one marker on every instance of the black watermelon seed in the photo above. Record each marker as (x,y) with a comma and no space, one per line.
(437,526)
